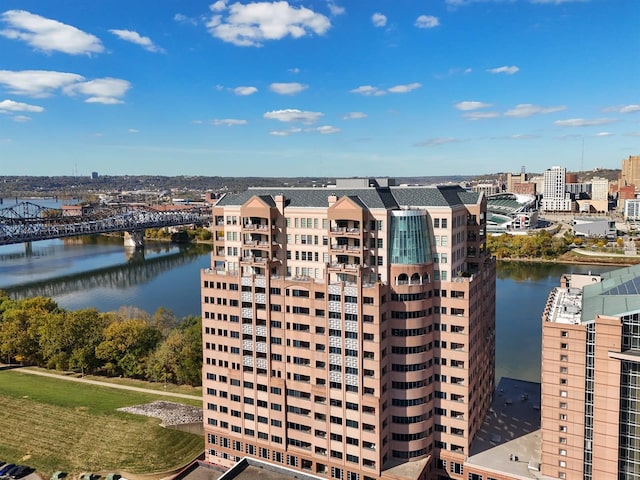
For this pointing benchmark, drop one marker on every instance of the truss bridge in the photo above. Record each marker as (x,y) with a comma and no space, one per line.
(28,222)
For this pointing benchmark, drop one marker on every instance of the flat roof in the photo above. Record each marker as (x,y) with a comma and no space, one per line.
(200,470)
(509,440)
(566,305)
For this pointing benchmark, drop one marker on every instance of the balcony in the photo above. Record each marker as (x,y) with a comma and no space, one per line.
(341,267)
(253,260)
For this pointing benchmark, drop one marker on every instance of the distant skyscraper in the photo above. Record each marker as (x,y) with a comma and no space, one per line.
(630,174)
(349,332)
(555,198)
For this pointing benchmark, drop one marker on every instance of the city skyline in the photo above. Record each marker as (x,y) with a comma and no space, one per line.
(302,87)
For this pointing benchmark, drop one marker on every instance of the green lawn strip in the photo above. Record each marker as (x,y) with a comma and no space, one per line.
(58,425)
(132,382)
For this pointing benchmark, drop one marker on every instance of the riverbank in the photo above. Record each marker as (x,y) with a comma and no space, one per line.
(573,258)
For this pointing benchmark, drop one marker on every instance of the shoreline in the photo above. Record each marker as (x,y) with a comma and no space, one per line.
(573,261)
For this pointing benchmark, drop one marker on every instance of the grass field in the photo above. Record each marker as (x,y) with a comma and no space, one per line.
(170,387)
(54,425)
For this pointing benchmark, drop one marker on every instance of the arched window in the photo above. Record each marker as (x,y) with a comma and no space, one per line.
(403,279)
(415,279)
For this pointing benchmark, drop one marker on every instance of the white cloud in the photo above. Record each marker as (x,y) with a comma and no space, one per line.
(12,106)
(181,18)
(20,118)
(433,142)
(508,70)
(405,88)
(293,115)
(480,115)
(335,9)
(327,129)
(378,19)
(218,6)
(197,122)
(107,91)
(284,133)
(135,37)
(427,21)
(371,91)
(471,105)
(36,83)
(521,136)
(624,109)
(287,88)
(48,35)
(244,91)
(354,115)
(252,24)
(582,122)
(523,110)
(228,122)
(368,90)
(133,130)
(294,70)
(603,134)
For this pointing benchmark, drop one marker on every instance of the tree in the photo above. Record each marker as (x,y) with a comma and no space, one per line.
(179,357)
(126,346)
(19,336)
(68,340)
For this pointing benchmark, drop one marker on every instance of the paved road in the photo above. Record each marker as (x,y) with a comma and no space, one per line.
(591,253)
(109,385)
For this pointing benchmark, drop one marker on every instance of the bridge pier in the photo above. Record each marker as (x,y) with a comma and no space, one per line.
(28,248)
(134,238)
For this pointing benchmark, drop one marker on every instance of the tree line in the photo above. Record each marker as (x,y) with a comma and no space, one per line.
(128,342)
(540,245)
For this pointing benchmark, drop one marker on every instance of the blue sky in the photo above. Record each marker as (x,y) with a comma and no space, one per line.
(317,88)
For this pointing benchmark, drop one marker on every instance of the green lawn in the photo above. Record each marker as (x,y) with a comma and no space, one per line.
(172,388)
(54,425)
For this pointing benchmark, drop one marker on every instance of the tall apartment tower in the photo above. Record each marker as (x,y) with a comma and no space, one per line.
(630,173)
(349,332)
(591,377)
(554,197)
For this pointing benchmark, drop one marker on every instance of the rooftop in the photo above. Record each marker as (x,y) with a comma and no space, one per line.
(509,439)
(614,294)
(617,294)
(564,305)
(370,197)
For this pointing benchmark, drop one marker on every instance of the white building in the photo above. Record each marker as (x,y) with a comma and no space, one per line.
(599,189)
(555,198)
(632,210)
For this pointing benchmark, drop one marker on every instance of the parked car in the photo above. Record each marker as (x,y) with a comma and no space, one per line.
(6,468)
(11,471)
(21,471)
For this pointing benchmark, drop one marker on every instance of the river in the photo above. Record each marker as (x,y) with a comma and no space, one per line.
(98,272)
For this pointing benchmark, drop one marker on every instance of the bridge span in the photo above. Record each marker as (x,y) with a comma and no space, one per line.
(28,222)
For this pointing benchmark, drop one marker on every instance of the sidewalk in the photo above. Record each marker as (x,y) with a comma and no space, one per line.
(108,385)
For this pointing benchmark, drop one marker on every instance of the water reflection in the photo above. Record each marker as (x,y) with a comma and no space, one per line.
(137,270)
(522,290)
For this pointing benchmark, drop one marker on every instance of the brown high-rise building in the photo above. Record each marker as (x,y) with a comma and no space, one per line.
(349,332)
(630,174)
